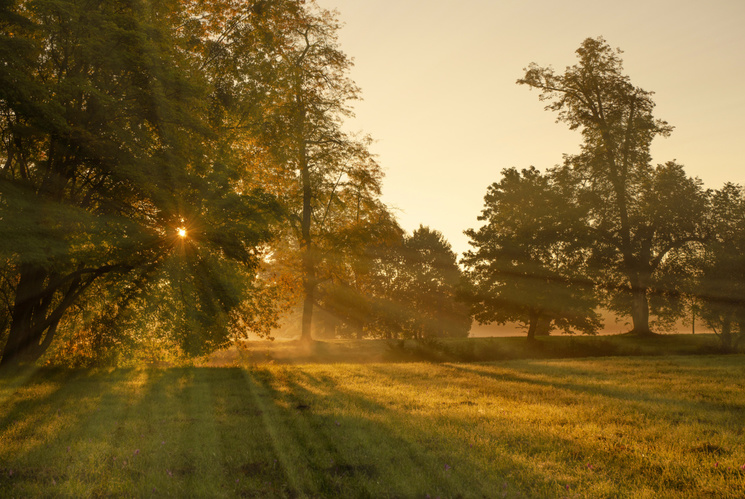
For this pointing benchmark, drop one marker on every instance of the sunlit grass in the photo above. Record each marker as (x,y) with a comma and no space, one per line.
(619,427)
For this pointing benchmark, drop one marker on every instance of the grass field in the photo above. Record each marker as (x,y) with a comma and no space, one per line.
(612,427)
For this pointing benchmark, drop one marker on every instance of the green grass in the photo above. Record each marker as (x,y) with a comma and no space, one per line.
(612,427)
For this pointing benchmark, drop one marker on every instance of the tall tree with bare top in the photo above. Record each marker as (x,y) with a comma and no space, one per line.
(641,215)
(330,181)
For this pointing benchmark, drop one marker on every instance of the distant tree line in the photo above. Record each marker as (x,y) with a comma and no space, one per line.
(606,227)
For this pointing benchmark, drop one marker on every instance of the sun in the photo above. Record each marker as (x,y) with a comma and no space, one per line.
(181,232)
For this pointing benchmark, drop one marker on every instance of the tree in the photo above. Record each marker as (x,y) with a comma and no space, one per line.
(330,181)
(414,289)
(353,252)
(529,263)
(431,285)
(721,290)
(636,210)
(398,286)
(107,147)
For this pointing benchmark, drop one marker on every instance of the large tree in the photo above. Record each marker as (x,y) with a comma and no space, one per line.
(108,146)
(529,261)
(327,178)
(641,215)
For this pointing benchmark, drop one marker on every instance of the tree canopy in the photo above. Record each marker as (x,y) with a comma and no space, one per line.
(529,261)
(176,167)
(109,145)
(721,287)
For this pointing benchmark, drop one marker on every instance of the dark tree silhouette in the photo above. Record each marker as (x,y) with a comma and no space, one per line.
(721,291)
(640,215)
(430,285)
(530,258)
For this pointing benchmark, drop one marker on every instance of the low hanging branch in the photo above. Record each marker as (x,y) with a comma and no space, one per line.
(35,317)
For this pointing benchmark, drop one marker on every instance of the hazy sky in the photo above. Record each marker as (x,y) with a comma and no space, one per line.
(438,82)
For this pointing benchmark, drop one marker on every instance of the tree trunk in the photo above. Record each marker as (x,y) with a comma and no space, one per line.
(741,334)
(29,311)
(693,319)
(309,268)
(543,327)
(640,310)
(726,335)
(533,324)
(305,334)
(41,300)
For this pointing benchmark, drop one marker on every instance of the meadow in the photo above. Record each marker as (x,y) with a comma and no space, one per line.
(656,426)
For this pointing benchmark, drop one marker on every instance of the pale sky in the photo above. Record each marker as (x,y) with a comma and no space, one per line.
(440,99)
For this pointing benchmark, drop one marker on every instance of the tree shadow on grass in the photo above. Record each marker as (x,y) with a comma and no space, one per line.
(343,442)
(601,384)
(42,434)
(319,431)
(176,432)
(381,450)
(529,442)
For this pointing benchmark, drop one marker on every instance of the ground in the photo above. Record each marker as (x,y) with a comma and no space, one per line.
(655,426)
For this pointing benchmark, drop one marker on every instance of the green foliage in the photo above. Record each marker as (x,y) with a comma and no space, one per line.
(109,144)
(530,258)
(415,289)
(669,213)
(429,284)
